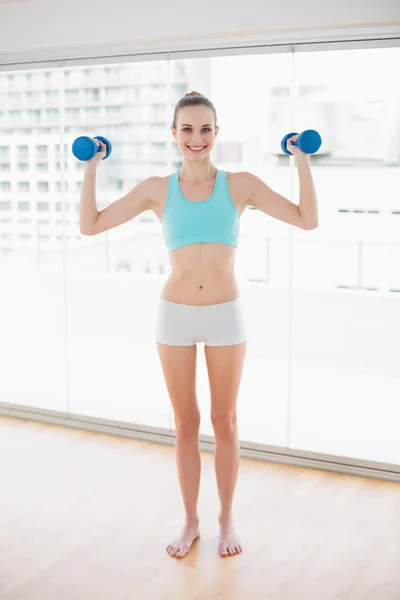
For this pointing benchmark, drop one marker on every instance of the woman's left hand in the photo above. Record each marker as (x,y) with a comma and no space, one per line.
(294,149)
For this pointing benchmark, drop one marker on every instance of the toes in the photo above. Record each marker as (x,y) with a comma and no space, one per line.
(172,550)
(231,551)
(223,550)
(183,551)
(238,549)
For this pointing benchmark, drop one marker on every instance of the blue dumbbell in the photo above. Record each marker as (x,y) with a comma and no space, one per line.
(84,147)
(309,141)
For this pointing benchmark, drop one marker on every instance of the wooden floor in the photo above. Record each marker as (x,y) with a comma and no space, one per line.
(87,516)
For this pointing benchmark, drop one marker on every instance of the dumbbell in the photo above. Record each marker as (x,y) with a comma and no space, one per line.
(85,148)
(309,141)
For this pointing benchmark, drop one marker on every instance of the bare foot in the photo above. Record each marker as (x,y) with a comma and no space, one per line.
(181,546)
(229,543)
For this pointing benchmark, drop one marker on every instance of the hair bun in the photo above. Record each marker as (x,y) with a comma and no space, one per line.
(193,94)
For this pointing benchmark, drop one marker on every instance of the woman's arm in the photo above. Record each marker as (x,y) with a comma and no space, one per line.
(304,215)
(87,206)
(308,206)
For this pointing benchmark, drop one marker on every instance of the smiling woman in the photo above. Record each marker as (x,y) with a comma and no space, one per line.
(200,302)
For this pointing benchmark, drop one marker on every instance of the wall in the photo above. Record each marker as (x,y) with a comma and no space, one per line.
(43,29)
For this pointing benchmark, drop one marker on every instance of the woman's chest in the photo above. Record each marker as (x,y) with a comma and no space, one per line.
(235,185)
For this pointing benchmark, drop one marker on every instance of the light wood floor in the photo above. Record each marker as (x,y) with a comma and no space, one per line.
(87,516)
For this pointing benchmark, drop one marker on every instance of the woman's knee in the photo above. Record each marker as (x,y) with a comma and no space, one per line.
(187,425)
(224,425)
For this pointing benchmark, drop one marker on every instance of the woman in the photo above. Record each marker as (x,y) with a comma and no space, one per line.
(199,208)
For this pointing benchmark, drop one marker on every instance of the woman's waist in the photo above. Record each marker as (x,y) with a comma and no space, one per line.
(201,290)
(200,276)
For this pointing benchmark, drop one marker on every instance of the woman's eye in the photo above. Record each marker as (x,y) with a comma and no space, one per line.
(205,129)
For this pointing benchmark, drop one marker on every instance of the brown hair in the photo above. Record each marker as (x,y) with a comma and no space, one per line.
(193,99)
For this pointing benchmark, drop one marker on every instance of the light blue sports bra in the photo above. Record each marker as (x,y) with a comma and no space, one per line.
(214,220)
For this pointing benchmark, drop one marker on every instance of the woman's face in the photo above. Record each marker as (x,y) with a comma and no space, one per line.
(195,131)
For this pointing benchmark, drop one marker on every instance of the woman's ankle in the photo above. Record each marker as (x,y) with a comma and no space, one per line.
(225,519)
(191,520)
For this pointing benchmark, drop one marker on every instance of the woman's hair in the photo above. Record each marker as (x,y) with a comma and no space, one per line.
(193,99)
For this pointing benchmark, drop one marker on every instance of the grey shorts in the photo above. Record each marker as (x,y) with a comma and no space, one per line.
(214,324)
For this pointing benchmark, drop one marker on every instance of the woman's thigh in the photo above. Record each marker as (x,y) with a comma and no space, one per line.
(225,368)
(179,368)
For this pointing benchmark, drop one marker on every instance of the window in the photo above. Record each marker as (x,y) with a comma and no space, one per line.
(229,152)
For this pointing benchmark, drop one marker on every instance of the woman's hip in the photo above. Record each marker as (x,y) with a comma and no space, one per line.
(216,324)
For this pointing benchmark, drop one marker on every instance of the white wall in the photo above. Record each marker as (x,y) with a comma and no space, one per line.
(52,29)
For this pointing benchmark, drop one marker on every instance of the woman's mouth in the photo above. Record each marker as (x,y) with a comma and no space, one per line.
(196,148)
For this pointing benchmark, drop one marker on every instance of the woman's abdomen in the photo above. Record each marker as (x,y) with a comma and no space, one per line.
(200,290)
(202,274)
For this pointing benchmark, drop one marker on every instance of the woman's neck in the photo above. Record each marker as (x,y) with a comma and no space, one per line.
(197,173)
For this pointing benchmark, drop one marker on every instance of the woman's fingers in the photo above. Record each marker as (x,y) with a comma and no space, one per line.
(102,146)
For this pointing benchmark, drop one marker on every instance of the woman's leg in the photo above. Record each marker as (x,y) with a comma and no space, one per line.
(179,368)
(225,366)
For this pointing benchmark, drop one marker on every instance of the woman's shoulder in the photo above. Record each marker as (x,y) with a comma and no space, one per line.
(240,176)
(239,185)
(156,187)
